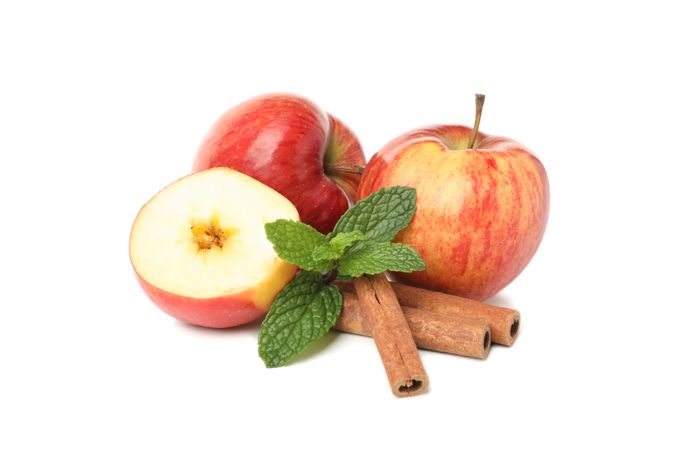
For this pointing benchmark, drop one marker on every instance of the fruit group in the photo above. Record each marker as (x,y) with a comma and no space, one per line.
(481,213)
(200,252)
(291,145)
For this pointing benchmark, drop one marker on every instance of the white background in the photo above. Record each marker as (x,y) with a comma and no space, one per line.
(103,105)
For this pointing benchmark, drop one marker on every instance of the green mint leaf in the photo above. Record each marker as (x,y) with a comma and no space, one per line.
(341,241)
(335,248)
(295,242)
(376,257)
(302,312)
(380,215)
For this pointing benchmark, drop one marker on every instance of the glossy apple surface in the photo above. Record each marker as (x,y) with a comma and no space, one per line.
(481,213)
(291,145)
(199,248)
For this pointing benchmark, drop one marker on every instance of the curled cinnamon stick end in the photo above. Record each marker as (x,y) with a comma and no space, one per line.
(430,330)
(504,322)
(392,335)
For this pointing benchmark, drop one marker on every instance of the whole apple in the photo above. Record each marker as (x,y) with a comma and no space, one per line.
(482,205)
(290,144)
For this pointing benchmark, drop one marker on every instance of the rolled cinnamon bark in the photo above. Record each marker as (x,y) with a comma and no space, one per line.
(430,330)
(392,335)
(504,322)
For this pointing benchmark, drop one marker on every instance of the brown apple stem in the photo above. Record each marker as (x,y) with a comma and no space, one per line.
(480,100)
(335,169)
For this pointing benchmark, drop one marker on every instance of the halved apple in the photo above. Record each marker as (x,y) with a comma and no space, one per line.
(200,252)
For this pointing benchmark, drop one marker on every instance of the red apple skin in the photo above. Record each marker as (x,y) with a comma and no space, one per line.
(289,144)
(481,213)
(218,312)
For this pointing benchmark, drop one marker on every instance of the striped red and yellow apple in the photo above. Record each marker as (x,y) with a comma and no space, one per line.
(291,145)
(200,252)
(481,209)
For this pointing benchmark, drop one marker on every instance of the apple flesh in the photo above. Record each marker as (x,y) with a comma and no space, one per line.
(200,252)
(291,145)
(481,213)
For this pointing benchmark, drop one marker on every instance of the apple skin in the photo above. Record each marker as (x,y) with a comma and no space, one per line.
(290,144)
(219,312)
(481,213)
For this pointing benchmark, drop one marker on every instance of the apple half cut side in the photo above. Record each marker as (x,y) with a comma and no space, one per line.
(200,252)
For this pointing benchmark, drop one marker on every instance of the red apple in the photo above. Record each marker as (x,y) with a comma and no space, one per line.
(481,209)
(200,251)
(291,145)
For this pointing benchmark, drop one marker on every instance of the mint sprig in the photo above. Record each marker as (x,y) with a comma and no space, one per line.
(381,215)
(336,246)
(359,244)
(376,257)
(295,242)
(302,312)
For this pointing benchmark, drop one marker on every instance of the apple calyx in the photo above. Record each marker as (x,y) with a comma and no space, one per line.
(480,100)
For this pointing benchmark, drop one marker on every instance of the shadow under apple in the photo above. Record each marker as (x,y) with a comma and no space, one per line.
(502,300)
(250,328)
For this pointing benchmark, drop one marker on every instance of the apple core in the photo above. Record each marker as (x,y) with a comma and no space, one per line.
(209,235)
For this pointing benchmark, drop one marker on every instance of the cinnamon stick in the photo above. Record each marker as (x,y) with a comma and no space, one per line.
(392,335)
(504,322)
(430,330)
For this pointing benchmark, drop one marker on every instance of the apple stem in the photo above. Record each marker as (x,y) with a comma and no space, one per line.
(480,100)
(330,276)
(335,169)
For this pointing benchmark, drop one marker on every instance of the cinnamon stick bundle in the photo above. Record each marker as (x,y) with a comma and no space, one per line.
(392,335)
(504,322)
(430,330)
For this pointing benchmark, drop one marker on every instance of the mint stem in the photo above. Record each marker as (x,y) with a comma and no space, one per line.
(330,276)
